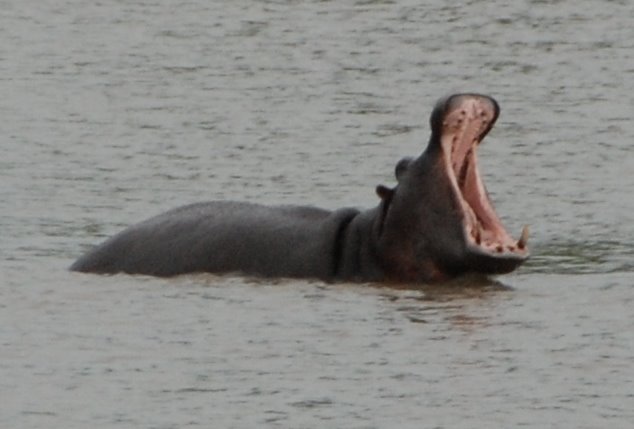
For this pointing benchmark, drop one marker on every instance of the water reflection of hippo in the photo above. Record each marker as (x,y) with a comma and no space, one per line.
(438,222)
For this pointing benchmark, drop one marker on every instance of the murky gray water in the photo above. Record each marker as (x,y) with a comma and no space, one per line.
(115,111)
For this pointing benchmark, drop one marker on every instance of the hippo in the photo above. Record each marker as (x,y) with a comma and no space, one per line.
(435,224)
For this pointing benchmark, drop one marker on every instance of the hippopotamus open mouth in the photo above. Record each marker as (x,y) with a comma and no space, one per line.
(438,222)
(465,122)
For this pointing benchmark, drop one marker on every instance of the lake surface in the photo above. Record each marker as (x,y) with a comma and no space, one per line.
(115,111)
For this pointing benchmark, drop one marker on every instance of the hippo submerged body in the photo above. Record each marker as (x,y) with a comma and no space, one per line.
(437,223)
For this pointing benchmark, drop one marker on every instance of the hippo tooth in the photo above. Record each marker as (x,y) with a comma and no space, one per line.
(521,243)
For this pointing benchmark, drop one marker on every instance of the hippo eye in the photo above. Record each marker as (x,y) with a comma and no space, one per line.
(401,167)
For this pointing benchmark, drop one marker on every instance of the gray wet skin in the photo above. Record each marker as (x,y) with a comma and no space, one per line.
(436,223)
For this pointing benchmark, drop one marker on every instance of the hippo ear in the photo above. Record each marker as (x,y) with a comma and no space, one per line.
(401,167)
(385,193)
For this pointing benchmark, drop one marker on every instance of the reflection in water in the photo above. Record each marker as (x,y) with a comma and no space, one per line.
(461,302)
(468,286)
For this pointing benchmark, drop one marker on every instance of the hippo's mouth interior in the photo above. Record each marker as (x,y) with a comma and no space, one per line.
(466,122)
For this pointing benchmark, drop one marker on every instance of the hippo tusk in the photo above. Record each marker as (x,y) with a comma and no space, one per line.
(521,243)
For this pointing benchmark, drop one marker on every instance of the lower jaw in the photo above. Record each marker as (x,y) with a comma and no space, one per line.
(486,263)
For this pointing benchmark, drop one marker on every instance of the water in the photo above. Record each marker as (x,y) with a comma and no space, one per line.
(112,112)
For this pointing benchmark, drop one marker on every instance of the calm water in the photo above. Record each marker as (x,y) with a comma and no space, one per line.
(115,111)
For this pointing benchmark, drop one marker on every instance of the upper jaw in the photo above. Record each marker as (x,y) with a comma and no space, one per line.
(465,121)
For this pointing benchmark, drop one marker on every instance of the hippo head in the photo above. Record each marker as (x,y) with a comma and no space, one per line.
(439,222)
